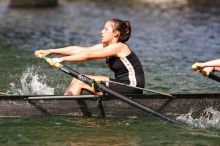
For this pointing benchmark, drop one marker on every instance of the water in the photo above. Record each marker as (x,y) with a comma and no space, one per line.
(167,41)
(31,84)
(130,131)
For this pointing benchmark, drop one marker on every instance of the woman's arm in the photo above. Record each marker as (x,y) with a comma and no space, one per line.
(217,69)
(66,50)
(71,50)
(213,63)
(96,52)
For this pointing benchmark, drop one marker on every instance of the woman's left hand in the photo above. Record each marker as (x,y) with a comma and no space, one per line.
(198,66)
(54,61)
(207,70)
(42,52)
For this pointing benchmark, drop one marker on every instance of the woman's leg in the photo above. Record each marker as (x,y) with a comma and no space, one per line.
(76,86)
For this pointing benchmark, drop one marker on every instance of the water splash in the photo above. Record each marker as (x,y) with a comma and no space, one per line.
(31,84)
(209,118)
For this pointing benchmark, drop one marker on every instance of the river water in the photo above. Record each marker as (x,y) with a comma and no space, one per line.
(167,40)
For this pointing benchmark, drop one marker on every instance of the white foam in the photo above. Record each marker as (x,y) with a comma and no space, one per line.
(32,84)
(209,118)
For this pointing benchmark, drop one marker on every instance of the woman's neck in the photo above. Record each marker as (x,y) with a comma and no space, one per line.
(105,44)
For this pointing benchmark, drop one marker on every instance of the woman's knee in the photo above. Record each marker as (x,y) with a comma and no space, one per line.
(78,84)
(74,80)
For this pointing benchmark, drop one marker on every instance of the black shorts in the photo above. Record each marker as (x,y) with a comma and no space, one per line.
(122,88)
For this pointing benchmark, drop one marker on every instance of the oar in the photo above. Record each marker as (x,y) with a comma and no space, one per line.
(211,75)
(105,89)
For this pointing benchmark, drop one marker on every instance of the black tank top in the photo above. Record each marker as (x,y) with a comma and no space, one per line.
(127,70)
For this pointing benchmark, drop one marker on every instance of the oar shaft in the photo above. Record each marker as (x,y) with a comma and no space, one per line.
(77,75)
(135,104)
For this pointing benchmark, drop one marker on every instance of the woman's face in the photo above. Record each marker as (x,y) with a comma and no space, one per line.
(107,33)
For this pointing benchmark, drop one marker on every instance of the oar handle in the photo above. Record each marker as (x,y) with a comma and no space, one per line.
(49,61)
(195,67)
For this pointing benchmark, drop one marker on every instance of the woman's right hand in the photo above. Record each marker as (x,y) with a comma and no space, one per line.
(42,52)
(207,70)
(198,66)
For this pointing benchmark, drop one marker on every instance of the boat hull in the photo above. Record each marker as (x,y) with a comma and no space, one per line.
(23,106)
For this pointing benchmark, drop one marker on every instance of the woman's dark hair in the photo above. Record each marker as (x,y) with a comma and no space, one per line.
(123,27)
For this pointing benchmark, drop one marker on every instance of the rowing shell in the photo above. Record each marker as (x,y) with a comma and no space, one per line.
(29,105)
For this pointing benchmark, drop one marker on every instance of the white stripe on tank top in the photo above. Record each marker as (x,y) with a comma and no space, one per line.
(131,72)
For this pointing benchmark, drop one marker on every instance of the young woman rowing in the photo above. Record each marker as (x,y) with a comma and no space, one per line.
(119,57)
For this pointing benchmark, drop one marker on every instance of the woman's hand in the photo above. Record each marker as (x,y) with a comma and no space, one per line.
(54,61)
(198,66)
(203,68)
(42,52)
(207,70)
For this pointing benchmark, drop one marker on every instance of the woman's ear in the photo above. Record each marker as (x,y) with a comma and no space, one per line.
(116,33)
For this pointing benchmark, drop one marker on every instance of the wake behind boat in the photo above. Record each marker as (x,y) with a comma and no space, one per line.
(35,105)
